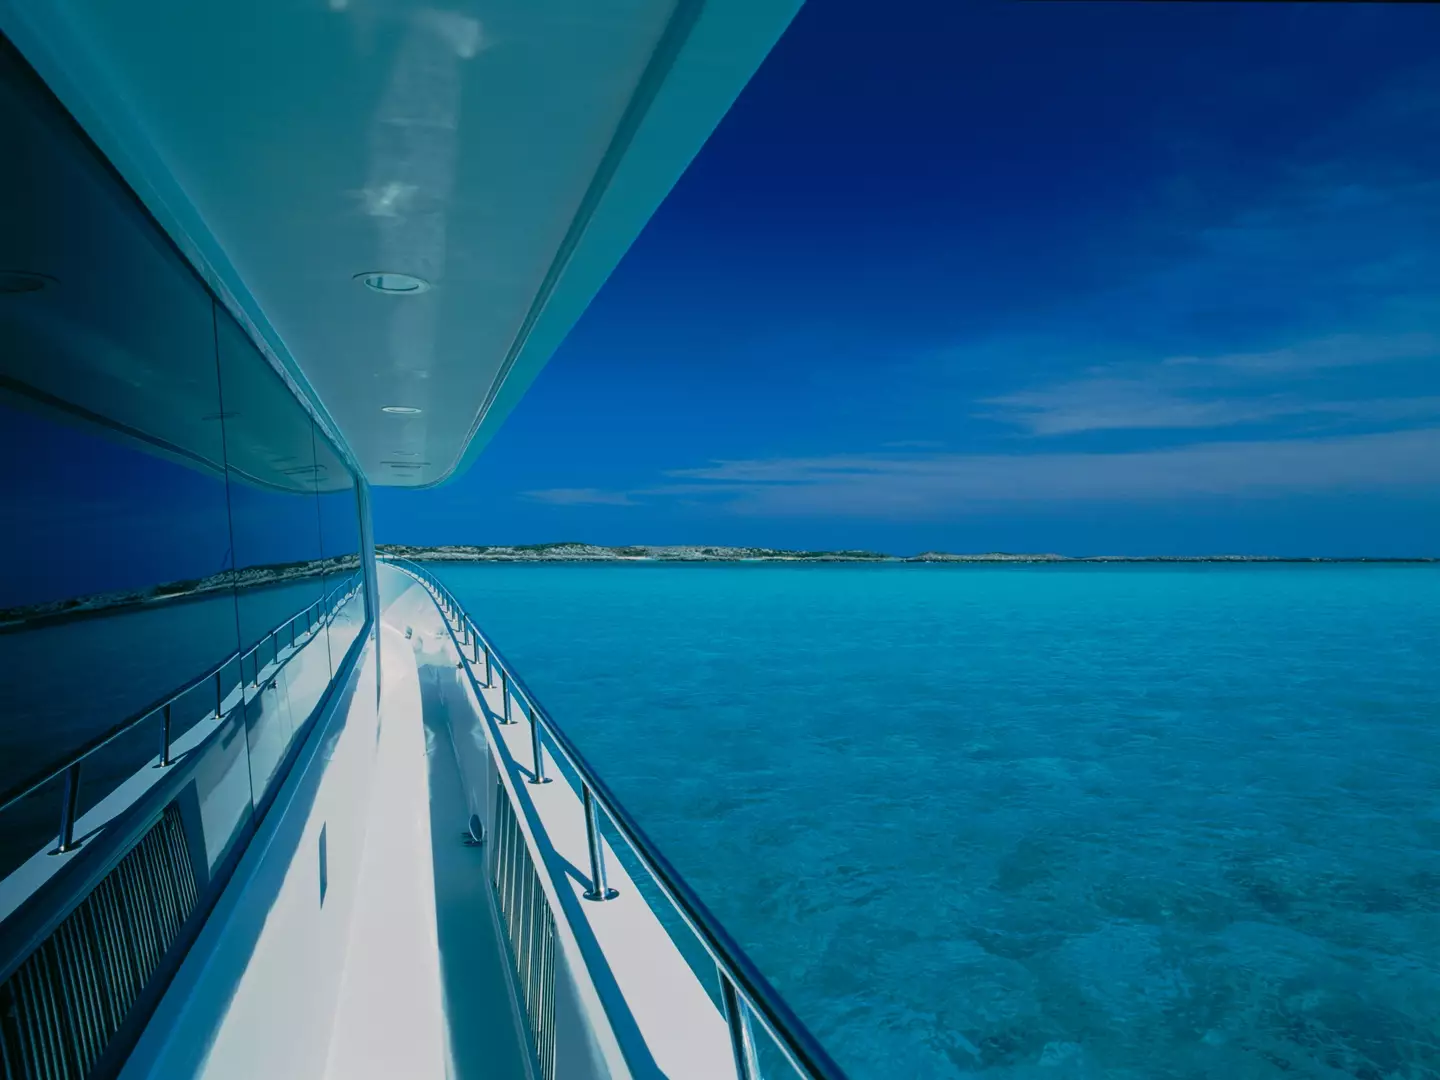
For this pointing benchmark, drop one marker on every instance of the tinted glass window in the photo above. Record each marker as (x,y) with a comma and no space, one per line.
(340,545)
(114,532)
(170,522)
(279,573)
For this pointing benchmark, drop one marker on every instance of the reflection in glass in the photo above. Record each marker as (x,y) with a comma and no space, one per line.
(275,525)
(340,545)
(114,534)
(168,535)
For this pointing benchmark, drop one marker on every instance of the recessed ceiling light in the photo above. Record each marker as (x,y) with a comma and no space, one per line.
(392,282)
(400,410)
(23,281)
(406,453)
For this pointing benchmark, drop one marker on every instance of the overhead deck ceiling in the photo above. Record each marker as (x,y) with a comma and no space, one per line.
(506,152)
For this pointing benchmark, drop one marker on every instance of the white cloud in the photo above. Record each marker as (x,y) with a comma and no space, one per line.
(939,485)
(1335,351)
(579,497)
(1224,390)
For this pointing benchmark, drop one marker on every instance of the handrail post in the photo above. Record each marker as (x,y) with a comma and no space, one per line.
(489,675)
(70,802)
(536,751)
(505,695)
(220,692)
(599,888)
(742,1036)
(165,761)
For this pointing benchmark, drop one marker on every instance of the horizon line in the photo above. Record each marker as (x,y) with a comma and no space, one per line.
(856,554)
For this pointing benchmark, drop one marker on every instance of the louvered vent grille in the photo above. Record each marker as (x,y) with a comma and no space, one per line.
(61,1007)
(530,927)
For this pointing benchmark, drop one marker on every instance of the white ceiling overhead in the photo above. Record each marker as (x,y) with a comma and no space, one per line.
(497,158)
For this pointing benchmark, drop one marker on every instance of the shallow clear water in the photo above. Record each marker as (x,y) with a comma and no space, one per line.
(1142,821)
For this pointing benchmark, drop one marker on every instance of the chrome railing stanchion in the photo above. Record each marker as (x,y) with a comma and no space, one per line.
(70,801)
(220,694)
(599,888)
(489,676)
(742,1035)
(537,752)
(165,761)
(505,695)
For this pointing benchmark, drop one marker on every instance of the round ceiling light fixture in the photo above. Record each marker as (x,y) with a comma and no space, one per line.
(393,283)
(400,410)
(23,281)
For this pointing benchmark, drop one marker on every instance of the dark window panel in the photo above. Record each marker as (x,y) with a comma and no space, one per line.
(279,571)
(114,527)
(340,544)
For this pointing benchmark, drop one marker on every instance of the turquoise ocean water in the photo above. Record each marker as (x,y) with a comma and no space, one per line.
(1141,821)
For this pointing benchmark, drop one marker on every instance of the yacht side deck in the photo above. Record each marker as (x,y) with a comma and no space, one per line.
(434,899)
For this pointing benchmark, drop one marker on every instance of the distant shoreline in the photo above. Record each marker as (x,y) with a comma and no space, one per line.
(576,552)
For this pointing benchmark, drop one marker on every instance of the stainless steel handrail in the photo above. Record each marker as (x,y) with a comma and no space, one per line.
(314,614)
(744,990)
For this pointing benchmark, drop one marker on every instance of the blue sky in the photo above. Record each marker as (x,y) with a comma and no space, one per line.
(1135,278)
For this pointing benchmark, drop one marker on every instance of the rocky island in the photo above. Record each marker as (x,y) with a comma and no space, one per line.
(573,551)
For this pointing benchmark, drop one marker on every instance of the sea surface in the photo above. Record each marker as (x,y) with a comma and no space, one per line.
(1051,822)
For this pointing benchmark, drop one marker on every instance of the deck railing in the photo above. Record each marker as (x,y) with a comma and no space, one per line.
(744,991)
(321,613)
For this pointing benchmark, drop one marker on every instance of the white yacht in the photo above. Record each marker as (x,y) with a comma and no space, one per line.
(270,807)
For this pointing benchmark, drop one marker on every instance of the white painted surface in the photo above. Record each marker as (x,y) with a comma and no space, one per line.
(423,993)
(390,1022)
(256,994)
(391,976)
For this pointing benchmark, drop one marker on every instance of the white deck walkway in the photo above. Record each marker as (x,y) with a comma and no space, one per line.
(424,993)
